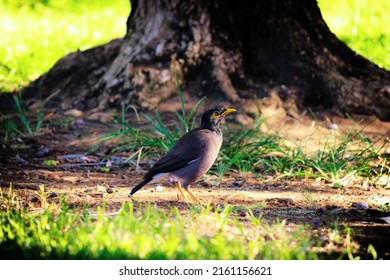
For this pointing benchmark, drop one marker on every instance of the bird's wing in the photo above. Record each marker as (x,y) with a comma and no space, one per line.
(187,149)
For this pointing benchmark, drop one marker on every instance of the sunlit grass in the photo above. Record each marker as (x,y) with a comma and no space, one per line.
(148,232)
(34,39)
(363,25)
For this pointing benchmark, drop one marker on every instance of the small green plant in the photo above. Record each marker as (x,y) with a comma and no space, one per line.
(50,162)
(25,123)
(7,127)
(354,156)
(385,208)
(104,169)
(19,109)
(186,123)
(308,195)
(243,149)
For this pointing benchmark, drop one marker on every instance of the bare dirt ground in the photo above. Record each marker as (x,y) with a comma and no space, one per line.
(313,202)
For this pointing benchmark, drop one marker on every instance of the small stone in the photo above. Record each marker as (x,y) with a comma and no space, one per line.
(316,222)
(73,113)
(159,188)
(52,195)
(321,211)
(109,190)
(54,176)
(332,126)
(79,123)
(362,205)
(43,152)
(170,180)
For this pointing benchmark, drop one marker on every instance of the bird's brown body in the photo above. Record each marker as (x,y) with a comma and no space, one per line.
(192,156)
(205,145)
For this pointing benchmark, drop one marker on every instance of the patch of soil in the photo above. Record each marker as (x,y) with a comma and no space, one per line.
(78,175)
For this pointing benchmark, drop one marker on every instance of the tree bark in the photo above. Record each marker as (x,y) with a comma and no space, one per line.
(220,48)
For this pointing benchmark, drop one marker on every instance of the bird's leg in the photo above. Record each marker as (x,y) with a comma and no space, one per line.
(178,185)
(195,197)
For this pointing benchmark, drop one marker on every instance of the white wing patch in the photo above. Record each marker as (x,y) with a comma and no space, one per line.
(191,161)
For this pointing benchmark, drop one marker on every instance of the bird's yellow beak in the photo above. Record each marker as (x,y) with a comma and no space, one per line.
(224,113)
(228,111)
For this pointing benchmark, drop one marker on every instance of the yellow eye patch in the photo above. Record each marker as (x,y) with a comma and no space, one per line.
(215,115)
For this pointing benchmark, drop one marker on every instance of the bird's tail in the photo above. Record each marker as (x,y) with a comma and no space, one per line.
(140,185)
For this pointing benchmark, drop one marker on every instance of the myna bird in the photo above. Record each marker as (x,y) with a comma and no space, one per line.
(192,156)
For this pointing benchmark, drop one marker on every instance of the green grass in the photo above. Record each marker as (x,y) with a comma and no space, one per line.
(338,163)
(22,123)
(152,136)
(339,160)
(147,232)
(363,25)
(35,36)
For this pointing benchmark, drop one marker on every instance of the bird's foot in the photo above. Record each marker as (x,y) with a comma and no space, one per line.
(178,185)
(196,198)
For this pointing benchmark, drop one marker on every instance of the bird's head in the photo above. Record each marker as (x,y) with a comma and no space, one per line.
(213,117)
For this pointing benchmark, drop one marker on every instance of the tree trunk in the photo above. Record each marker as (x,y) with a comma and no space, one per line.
(217,48)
